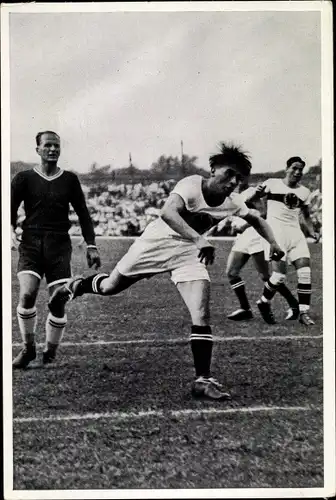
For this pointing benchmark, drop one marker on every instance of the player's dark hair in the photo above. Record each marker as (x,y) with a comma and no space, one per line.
(232,155)
(39,135)
(295,159)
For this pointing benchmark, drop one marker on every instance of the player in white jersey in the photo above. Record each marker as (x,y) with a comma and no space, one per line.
(248,244)
(286,199)
(173,243)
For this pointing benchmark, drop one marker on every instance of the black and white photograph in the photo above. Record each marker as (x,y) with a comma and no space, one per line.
(168,250)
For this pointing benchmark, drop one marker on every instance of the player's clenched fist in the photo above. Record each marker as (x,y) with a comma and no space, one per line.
(93,257)
(206,251)
(276,253)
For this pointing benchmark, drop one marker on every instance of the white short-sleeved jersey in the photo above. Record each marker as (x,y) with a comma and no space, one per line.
(190,190)
(284,203)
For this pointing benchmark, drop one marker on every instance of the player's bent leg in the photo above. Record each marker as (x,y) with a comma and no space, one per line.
(304,289)
(261,265)
(54,327)
(236,261)
(271,286)
(263,269)
(27,317)
(196,295)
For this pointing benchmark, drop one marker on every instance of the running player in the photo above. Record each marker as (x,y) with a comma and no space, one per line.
(248,244)
(45,248)
(286,199)
(173,243)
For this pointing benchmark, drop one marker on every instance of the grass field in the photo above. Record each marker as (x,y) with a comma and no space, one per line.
(115,410)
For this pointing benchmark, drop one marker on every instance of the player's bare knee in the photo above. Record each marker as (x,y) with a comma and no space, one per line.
(105,287)
(27,299)
(302,263)
(232,273)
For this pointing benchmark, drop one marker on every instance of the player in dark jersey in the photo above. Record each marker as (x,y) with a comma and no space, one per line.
(45,247)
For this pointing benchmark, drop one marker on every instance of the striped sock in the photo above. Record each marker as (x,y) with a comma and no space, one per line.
(304,288)
(27,319)
(287,294)
(91,284)
(238,286)
(54,330)
(269,291)
(201,346)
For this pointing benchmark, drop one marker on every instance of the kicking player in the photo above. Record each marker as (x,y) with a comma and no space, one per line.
(248,244)
(45,248)
(286,198)
(173,243)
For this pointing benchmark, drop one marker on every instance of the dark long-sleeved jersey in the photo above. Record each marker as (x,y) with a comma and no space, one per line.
(47,201)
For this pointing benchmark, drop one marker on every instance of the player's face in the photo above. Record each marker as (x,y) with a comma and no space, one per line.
(225,179)
(49,148)
(294,173)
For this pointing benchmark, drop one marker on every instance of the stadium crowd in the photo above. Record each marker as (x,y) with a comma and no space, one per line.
(126,209)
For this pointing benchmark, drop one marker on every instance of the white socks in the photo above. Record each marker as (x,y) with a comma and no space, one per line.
(55,328)
(27,319)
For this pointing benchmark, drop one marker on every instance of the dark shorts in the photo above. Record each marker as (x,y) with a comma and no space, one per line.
(45,254)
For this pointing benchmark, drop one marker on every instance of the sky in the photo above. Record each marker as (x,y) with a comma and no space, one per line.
(140,82)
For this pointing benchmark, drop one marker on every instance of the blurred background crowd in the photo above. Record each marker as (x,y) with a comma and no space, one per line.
(122,202)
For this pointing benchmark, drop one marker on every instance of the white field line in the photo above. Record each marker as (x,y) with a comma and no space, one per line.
(184,340)
(192,412)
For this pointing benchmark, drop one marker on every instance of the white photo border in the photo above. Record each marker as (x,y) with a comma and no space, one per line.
(325,8)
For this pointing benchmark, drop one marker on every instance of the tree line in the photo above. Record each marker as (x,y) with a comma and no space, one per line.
(163,169)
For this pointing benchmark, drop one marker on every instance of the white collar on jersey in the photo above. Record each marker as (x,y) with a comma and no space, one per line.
(50,177)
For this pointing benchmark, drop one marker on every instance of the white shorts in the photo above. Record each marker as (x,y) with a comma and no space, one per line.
(292,241)
(153,256)
(248,242)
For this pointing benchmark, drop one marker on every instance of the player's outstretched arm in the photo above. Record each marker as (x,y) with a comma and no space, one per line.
(258,193)
(171,214)
(263,228)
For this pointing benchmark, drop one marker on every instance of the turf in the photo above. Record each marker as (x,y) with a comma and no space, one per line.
(168,449)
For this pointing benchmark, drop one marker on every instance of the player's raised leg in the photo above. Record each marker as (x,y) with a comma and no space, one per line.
(236,262)
(304,289)
(196,295)
(98,284)
(29,282)
(262,267)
